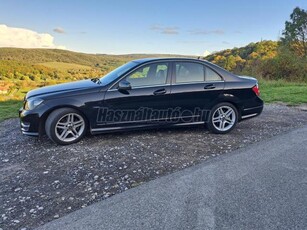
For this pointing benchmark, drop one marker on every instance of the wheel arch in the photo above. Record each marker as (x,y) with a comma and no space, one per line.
(48,112)
(229,98)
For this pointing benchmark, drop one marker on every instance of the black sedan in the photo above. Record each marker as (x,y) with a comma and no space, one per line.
(144,93)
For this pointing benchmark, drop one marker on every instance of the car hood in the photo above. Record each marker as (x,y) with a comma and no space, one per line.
(62,88)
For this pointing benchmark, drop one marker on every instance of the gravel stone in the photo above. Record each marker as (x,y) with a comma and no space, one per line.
(40,181)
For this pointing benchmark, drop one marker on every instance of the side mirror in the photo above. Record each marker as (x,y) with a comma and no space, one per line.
(124,85)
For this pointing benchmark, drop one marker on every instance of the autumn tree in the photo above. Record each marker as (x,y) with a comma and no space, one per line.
(295,33)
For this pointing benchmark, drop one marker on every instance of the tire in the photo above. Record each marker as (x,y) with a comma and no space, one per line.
(65,126)
(223,118)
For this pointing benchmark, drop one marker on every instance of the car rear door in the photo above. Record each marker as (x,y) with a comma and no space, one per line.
(194,89)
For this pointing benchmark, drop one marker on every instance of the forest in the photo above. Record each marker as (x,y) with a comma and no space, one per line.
(285,59)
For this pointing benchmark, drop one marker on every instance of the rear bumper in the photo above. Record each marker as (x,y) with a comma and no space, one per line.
(251,112)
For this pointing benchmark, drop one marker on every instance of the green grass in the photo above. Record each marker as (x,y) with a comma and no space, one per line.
(9,109)
(280,91)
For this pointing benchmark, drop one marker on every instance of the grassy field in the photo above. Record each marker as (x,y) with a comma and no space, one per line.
(271,91)
(62,66)
(9,109)
(280,91)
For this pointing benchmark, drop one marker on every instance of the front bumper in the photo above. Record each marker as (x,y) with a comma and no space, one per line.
(30,120)
(25,127)
(29,123)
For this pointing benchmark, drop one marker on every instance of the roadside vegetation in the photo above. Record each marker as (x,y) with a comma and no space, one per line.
(292,93)
(280,66)
(9,109)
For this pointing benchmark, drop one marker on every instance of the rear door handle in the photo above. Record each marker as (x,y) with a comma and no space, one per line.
(159,92)
(209,86)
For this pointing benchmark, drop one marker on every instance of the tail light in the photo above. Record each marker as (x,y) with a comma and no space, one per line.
(256,90)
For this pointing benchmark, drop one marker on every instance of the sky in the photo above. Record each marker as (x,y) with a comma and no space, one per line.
(138,26)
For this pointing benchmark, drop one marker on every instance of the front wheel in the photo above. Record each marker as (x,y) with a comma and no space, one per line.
(65,126)
(223,118)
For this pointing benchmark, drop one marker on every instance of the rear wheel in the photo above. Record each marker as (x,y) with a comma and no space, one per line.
(223,118)
(65,126)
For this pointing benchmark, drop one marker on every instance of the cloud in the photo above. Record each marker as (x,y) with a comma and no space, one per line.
(206,32)
(170,30)
(156,28)
(192,42)
(225,42)
(24,38)
(165,30)
(237,32)
(59,30)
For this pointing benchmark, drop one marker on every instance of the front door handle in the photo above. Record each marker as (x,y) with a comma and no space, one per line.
(209,86)
(159,92)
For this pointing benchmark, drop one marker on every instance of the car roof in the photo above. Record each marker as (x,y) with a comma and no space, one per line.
(144,60)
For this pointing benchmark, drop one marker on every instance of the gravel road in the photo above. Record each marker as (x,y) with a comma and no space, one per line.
(40,181)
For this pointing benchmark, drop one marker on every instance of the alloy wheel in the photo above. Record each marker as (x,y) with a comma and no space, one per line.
(69,127)
(224,117)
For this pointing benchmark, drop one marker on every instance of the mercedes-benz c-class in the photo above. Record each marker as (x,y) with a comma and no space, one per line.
(146,93)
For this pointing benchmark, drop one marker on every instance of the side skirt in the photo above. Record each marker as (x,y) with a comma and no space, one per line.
(136,127)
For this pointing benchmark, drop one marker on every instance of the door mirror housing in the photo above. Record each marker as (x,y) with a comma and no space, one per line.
(124,85)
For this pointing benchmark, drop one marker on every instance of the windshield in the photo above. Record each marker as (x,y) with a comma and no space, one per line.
(117,72)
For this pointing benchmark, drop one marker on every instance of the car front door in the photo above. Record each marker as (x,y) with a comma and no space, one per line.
(145,103)
(194,90)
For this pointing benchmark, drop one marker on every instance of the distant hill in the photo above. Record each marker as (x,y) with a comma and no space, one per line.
(47,55)
(34,56)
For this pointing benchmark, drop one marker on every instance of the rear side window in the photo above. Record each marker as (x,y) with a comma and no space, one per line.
(189,72)
(210,75)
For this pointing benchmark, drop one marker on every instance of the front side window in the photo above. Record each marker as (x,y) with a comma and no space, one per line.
(152,74)
(189,72)
(117,73)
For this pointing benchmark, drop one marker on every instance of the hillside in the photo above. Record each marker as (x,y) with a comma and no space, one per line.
(245,59)
(56,55)
(25,69)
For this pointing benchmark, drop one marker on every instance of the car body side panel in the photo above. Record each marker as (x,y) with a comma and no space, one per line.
(191,97)
(129,108)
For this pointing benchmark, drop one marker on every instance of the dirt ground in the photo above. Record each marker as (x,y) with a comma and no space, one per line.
(40,181)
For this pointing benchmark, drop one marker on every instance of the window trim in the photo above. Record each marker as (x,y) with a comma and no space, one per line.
(196,83)
(168,75)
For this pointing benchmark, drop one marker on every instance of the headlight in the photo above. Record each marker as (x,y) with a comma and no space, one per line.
(33,103)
